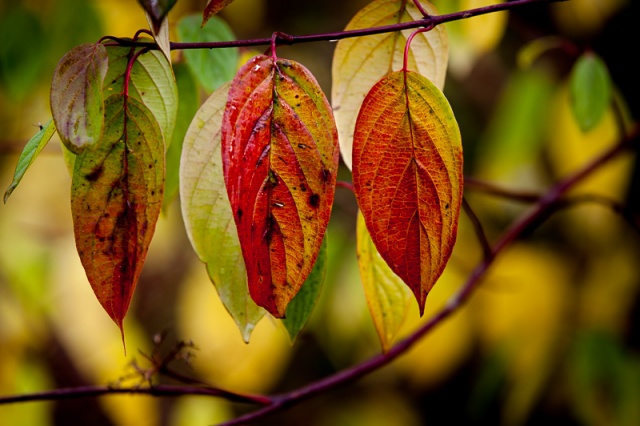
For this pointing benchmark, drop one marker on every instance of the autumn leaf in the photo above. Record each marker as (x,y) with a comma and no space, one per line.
(407,173)
(212,8)
(77,102)
(359,62)
(29,154)
(116,196)
(207,213)
(386,294)
(280,160)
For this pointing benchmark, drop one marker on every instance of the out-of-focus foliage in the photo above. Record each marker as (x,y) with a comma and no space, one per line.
(552,335)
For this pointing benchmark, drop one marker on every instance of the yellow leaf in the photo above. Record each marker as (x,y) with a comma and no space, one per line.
(387,296)
(358,63)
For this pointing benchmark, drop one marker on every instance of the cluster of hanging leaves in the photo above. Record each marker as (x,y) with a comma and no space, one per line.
(259,161)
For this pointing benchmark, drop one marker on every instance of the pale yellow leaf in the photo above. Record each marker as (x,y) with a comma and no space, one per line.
(359,62)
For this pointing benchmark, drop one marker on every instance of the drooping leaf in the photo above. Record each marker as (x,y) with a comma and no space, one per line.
(207,213)
(212,67)
(161,36)
(280,160)
(152,83)
(212,8)
(387,296)
(188,103)
(300,308)
(359,62)
(29,154)
(157,10)
(116,196)
(590,90)
(77,102)
(407,173)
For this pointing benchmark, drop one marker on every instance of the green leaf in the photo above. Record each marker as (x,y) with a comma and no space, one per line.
(590,90)
(387,296)
(152,83)
(207,213)
(77,101)
(116,196)
(300,308)
(212,67)
(29,154)
(188,103)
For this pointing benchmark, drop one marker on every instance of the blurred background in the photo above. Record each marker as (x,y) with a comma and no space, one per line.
(551,337)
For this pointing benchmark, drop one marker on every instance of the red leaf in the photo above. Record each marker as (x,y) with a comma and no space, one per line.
(407,173)
(280,160)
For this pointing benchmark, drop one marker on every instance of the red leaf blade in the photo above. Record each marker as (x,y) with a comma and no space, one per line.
(280,160)
(407,173)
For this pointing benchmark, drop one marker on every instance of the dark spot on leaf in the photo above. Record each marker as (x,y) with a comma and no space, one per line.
(314,200)
(239,214)
(271,224)
(303,188)
(325,175)
(297,96)
(301,146)
(95,174)
(446,206)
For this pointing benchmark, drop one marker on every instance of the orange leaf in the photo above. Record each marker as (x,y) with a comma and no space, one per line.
(280,160)
(407,173)
(116,196)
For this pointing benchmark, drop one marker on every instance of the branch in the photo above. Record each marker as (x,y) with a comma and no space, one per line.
(156,390)
(287,39)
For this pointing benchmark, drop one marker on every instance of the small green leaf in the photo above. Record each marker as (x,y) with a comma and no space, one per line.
(207,213)
(77,101)
(29,154)
(301,306)
(212,67)
(590,90)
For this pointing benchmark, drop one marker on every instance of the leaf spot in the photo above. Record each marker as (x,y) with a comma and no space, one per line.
(314,200)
